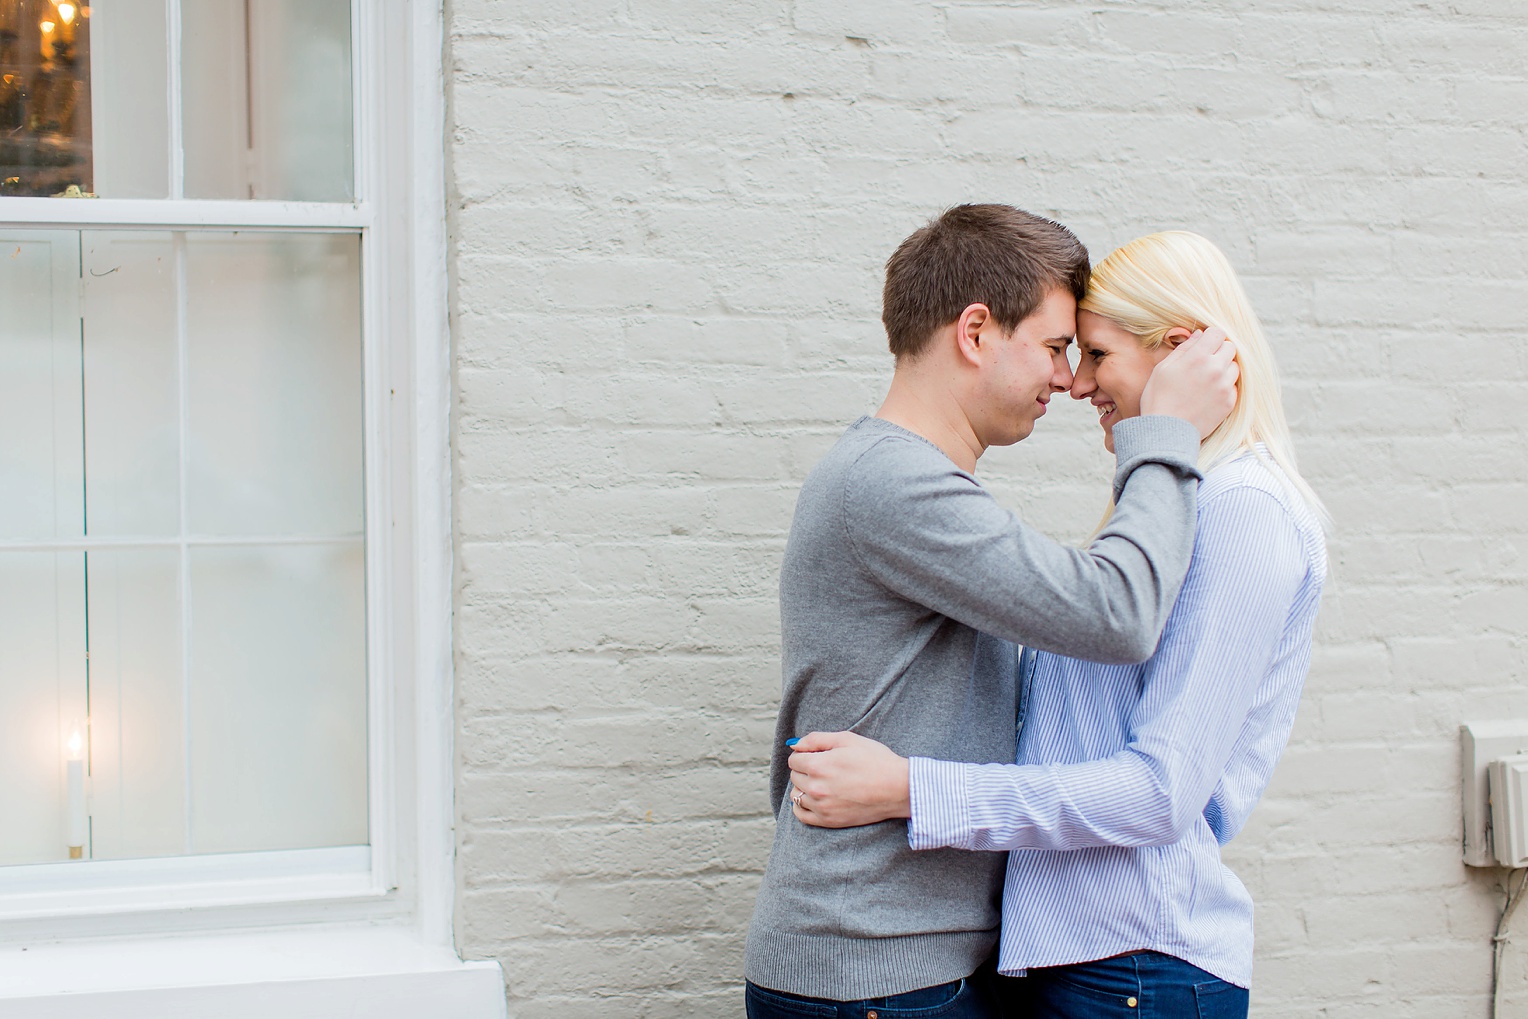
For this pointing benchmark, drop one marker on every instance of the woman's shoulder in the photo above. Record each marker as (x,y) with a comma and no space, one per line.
(1251,483)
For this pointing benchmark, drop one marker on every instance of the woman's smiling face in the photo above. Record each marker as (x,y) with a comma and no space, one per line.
(1112,370)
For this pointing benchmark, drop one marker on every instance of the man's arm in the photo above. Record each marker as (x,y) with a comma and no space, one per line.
(941,540)
(1197,692)
(1249,567)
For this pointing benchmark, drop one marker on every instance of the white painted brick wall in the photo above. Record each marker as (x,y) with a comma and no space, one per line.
(669,219)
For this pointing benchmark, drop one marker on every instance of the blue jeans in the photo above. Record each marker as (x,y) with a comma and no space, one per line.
(1143,985)
(960,999)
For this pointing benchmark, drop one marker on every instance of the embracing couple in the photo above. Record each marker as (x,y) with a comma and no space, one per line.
(1005,767)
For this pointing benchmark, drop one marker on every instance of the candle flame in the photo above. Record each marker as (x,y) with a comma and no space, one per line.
(75,743)
(48,27)
(66,13)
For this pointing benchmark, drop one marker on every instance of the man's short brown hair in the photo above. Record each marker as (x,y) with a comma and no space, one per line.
(996,255)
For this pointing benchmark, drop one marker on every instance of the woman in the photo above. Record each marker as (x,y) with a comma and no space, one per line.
(1130,778)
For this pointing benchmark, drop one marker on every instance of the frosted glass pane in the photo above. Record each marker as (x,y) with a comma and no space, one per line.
(132,408)
(266,99)
(137,738)
(275,384)
(278,698)
(42,691)
(41,457)
(129,96)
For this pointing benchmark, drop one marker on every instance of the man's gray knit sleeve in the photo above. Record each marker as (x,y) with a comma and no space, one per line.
(938,538)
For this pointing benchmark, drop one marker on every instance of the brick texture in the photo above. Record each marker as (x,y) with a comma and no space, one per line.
(668,221)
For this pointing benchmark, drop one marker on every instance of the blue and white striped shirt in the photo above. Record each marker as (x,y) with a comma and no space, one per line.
(1130,778)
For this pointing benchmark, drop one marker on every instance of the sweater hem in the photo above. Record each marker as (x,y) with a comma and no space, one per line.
(853,969)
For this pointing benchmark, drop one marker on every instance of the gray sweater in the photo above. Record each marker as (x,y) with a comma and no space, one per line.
(902,593)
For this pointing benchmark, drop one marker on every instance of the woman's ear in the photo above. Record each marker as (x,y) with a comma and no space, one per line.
(1175,336)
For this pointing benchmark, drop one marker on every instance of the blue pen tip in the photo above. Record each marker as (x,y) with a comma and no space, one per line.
(793,742)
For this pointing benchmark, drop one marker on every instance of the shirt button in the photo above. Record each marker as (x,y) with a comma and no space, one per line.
(1131,1002)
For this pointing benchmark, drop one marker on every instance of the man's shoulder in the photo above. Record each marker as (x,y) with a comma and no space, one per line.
(872,449)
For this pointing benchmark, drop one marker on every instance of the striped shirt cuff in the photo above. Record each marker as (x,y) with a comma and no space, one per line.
(941,804)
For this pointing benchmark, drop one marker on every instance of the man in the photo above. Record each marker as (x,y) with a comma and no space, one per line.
(901,570)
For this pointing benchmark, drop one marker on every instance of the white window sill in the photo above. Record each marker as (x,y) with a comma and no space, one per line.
(317,973)
(98,887)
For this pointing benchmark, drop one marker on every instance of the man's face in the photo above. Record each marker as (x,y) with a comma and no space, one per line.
(1021,370)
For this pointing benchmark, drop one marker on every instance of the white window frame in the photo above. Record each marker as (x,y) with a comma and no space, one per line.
(405,885)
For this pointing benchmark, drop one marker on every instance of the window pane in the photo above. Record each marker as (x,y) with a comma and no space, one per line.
(44,98)
(138,777)
(266,99)
(42,694)
(41,461)
(129,96)
(84,98)
(275,384)
(131,371)
(278,698)
(216,635)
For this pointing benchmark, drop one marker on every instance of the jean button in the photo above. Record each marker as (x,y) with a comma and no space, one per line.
(872,1014)
(1131,1002)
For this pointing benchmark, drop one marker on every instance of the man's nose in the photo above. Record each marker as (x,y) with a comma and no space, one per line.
(1061,381)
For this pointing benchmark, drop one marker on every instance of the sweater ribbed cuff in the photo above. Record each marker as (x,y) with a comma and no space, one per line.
(1154,438)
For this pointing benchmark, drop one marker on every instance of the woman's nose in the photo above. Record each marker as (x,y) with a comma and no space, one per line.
(1082,383)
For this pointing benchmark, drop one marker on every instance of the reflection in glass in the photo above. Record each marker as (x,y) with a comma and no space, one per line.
(44,98)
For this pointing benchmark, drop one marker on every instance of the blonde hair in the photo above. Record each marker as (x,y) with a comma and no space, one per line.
(1180,280)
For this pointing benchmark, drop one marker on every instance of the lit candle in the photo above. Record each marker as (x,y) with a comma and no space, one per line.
(66,14)
(77,821)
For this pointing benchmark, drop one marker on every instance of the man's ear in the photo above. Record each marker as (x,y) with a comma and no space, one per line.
(1175,336)
(968,332)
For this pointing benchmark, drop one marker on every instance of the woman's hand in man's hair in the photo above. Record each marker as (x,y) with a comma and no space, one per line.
(843,779)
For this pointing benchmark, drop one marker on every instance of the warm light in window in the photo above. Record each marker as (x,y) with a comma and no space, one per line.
(66,13)
(78,813)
